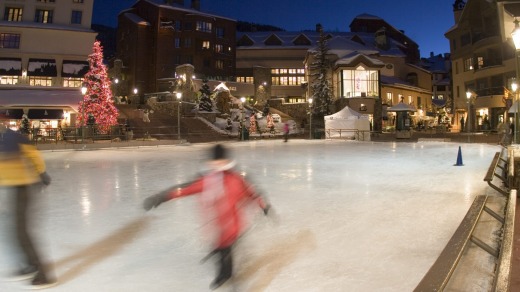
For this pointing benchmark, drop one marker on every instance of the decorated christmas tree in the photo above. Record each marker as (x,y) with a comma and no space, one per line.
(205,103)
(25,127)
(270,122)
(252,124)
(97,105)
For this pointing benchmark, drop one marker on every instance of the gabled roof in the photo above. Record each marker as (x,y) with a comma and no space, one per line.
(273,40)
(355,58)
(302,39)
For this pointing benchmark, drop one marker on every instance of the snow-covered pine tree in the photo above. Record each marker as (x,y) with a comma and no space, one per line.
(205,103)
(97,101)
(320,86)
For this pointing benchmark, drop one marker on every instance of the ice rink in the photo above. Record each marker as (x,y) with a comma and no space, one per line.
(349,216)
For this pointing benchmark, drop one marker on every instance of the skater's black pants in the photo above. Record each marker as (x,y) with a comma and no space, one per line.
(24,240)
(225,263)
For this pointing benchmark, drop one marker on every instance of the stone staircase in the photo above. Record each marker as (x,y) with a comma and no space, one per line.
(163,126)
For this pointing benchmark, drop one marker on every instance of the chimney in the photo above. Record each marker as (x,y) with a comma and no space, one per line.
(195,4)
(319,27)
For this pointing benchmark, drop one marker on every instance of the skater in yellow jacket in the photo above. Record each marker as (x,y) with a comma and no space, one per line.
(22,169)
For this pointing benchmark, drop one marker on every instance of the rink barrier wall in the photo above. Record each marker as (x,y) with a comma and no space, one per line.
(498,168)
(441,271)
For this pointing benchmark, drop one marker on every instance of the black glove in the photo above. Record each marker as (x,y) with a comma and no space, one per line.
(45,178)
(154,201)
(266,209)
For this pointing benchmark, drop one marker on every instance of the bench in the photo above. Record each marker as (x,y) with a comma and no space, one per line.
(441,271)
(497,163)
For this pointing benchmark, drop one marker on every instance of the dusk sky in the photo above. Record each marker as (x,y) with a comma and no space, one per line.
(424,21)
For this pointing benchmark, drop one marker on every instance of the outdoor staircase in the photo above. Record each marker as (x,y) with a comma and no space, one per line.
(164,126)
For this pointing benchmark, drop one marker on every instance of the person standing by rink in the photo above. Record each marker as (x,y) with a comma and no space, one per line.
(22,170)
(286,132)
(222,193)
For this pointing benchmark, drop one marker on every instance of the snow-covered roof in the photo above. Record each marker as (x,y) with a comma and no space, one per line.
(160,3)
(355,57)
(137,19)
(40,98)
(340,43)
(402,107)
(37,25)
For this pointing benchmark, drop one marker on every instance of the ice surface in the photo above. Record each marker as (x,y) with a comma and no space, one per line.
(350,216)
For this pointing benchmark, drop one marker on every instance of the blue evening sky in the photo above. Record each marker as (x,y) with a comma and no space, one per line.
(424,21)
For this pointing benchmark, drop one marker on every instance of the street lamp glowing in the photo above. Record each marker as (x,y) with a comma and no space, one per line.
(310,118)
(83,90)
(135,90)
(242,124)
(179,96)
(468,120)
(116,81)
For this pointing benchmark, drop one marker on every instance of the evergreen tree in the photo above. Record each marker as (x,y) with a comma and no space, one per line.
(320,87)
(205,103)
(97,102)
(26,125)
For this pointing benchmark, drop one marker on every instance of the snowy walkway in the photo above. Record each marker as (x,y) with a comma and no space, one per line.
(352,216)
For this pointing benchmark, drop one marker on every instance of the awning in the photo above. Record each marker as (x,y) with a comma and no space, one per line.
(14,114)
(74,68)
(439,102)
(11,66)
(42,67)
(45,114)
(41,98)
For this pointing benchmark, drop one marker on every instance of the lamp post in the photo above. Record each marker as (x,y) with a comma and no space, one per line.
(310,118)
(83,92)
(514,87)
(179,96)
(516,40)
(468,120)
(242,124)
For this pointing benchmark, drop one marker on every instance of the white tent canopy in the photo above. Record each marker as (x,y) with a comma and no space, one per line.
(347,123)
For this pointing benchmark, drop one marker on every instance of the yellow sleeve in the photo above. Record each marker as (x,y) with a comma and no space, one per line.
(33,156)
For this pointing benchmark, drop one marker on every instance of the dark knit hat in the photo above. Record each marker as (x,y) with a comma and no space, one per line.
(218,152)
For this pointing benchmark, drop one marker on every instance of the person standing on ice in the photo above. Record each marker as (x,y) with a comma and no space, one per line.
(22,170)
(286,131)
(222,192)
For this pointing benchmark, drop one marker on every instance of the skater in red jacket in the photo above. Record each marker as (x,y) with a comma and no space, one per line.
(222,193)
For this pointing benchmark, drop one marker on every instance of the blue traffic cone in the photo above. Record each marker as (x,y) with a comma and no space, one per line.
(459,158)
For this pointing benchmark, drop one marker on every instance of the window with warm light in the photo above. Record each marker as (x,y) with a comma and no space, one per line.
(219,64)
(40,81)
(203,26)
(468,64)
(245,79)
(287,76)
(389,98)
(13,14)
(9,80)
(72,82)
(360,82)
(43,16)
(206,45)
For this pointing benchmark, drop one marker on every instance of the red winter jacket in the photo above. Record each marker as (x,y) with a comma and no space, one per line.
(222,195)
